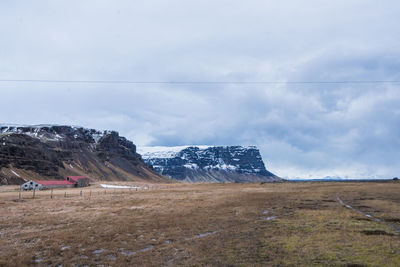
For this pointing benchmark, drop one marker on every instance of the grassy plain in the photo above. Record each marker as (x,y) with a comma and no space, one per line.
(283,224)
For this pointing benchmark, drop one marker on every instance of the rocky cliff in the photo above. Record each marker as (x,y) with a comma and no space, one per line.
(208,164)
(51,152)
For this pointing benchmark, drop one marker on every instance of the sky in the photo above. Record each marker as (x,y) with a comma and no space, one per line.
(303,130)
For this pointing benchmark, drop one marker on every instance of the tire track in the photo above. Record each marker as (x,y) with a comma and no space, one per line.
(393,227)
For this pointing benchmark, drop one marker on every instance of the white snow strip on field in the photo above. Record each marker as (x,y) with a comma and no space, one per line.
(15,173)
(268,218)
(98,251)
(202,235)
(118,186)
(130,253)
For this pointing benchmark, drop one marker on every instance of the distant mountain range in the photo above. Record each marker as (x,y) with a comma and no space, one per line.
(329,178)
(208,163)
(56,151)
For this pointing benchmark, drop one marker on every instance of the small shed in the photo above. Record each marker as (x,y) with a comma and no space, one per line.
(31,185)
(79,181)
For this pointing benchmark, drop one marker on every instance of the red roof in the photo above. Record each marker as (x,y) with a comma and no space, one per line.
(64,182)
(76,178)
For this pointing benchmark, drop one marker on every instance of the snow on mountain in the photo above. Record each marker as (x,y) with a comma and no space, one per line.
(49,132)
(163,152)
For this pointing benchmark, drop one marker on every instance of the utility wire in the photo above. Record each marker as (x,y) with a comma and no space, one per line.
(200,82)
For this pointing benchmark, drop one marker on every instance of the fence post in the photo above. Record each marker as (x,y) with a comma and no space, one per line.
(65,194)
(19,195)
(80,193)
(51,194)
(34,192)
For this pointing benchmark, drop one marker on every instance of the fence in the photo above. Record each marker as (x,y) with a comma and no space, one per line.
(86,193)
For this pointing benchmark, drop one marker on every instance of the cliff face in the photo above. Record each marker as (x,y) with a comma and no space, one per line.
(209,164)
(51,152)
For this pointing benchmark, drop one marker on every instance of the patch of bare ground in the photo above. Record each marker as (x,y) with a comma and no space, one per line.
(287,224)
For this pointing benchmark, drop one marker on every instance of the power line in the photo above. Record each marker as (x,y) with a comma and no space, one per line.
(200,82)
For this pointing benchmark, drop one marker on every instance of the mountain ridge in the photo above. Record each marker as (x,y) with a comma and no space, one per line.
(55,151)
(208,163)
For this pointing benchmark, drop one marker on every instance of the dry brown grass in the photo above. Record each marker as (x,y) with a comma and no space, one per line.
(204,224)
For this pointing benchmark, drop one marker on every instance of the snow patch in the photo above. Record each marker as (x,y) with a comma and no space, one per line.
(98,251)
(34,135)
(164,152)
(202,235)
(193,166)
(136,207)
(97,137)
(268,218)
(225,167)
(118,186)
(131,253)
(15,173)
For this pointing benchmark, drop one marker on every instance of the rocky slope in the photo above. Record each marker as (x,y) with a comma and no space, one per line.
(208,164)
(51,152)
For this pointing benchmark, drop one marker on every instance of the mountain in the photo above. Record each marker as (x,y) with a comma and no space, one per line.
(54,152)
(208,163)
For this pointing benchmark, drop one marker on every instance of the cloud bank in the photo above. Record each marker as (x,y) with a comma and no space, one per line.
(303,130)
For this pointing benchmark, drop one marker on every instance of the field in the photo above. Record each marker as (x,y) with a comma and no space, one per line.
(282,224)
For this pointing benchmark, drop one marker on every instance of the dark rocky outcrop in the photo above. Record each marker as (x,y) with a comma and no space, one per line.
(51,152)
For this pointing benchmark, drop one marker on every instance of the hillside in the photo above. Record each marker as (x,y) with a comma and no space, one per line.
(53,152)
(209,163)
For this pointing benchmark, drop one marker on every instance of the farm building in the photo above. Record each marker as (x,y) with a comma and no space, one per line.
(55,184)
(31,185)
(80,181)
(70,181)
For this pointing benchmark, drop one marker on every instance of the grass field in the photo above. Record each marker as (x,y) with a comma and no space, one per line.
(283,224)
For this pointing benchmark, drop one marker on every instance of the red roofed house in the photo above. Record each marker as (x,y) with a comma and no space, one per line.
(55,184)
(70,181)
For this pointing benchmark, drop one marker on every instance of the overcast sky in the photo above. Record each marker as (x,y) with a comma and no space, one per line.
(302,130)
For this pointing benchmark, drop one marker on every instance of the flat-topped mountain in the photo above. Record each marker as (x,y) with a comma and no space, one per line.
(52,151)
(208,163)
